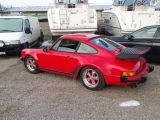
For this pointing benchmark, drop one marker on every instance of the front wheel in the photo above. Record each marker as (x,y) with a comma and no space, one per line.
(31,65)
(92,78)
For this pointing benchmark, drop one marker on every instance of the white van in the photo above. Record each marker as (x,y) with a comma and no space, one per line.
(19,32)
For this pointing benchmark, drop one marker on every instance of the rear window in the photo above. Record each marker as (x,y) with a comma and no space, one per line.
(105,43)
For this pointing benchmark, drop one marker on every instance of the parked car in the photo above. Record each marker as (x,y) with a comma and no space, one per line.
(19,32)
(95,59)
(146,36)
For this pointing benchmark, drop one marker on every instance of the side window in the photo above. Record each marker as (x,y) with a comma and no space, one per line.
(55,47)
(27,24)
(66,45)
(157,34)
(146,33)
(83,48)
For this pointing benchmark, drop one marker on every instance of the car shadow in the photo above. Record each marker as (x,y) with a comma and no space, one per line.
(108,88)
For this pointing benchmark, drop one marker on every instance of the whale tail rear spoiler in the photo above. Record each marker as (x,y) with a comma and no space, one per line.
(132,52)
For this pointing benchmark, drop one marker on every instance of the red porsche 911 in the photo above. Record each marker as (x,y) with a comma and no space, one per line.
(94,59)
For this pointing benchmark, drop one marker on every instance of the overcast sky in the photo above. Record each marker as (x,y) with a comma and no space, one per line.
(45,2)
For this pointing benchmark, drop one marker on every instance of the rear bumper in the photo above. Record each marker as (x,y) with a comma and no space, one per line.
(142,77)
(151,68)
(121,80)
(12,48)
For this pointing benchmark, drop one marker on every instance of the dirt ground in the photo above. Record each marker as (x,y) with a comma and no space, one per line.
(45,96)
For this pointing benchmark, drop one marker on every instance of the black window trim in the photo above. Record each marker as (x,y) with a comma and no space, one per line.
(53,44)
(60,39)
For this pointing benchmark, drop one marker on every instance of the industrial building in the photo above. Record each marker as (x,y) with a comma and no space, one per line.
(41,11)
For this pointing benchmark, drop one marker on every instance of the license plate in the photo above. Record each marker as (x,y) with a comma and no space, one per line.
(1,44)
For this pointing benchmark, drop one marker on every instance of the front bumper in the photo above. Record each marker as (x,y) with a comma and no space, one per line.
(12,48)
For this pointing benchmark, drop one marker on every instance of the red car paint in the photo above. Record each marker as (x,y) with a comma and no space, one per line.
(70,64)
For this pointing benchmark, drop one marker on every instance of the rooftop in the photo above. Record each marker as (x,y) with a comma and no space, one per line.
(27,9)
(44,8)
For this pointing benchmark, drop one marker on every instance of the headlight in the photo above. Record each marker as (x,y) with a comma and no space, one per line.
(14,42)
(128,74)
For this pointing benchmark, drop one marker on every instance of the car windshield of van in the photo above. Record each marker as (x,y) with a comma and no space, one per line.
(106,43)
(11,25)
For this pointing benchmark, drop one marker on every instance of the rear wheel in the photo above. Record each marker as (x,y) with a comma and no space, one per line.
(92,78)
(26,45)
(31,65)
(10,53)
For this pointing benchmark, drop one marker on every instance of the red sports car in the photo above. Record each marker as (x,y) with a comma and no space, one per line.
(94,59)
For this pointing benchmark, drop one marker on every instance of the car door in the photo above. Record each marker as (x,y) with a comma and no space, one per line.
(155,50)
(83,53)
(144,37)
(27,36)
(60,57)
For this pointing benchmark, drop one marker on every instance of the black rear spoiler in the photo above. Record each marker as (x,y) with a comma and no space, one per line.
(132,52)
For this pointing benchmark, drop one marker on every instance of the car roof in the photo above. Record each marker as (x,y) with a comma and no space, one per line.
(79,37)
(18,17)
(13,16)
(158,25)
(145,27)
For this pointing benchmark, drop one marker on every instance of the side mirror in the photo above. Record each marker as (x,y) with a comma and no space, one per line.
(28,31)
(45,49)
(128,37)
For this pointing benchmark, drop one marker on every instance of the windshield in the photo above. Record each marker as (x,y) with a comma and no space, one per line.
(131,2)
(11,25)
(105,43)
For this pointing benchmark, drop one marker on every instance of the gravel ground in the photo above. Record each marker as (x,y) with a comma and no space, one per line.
(45,96)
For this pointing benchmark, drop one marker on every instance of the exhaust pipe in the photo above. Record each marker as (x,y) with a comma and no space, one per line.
(151,68)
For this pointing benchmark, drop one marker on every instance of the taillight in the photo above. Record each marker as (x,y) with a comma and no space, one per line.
(128,74)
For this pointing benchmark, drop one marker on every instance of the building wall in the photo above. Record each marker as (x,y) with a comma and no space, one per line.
(100,20)
(46,31)
(99,15)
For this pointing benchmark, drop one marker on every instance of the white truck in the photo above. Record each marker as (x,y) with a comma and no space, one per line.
(19,32)
(74,16)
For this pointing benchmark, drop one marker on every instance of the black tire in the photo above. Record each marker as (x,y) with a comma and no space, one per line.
(9,53)
(26,45)
(33,70)
(16,53)
(99,85)
(42,36)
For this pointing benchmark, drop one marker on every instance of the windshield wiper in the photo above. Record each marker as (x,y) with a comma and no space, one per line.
(7,31)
